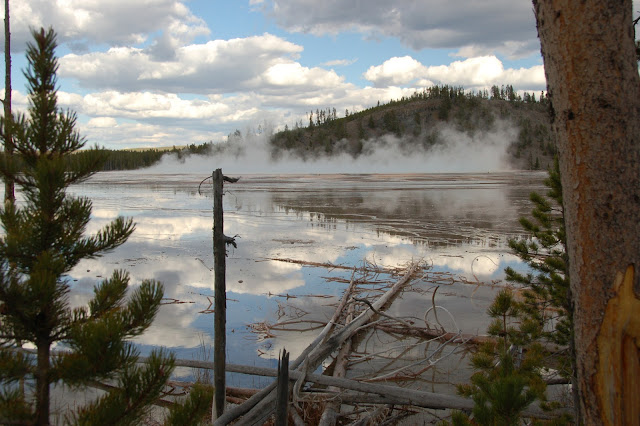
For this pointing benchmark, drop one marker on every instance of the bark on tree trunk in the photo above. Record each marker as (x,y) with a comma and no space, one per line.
(220,296)
(8,143)
(42,384)
(592,78)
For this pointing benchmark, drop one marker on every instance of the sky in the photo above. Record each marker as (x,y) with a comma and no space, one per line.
(157,73)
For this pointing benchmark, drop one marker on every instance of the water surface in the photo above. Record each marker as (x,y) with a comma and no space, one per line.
(458,224)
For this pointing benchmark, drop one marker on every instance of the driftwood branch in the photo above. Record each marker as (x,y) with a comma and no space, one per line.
(282,391)
(371,392)
(318,353)
(332,408)
(235,412)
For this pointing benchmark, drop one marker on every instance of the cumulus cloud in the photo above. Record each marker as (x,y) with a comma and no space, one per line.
(478,72)
(395,71)
(474,28)
(102,122)
(119,135)
(218,66)
(115,22)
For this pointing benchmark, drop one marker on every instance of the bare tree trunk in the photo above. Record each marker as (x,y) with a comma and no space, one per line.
(592,78)
(42,384)
(8,143)
(220,296)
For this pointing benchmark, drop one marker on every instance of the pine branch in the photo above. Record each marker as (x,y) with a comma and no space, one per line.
(192,411)
(138,387)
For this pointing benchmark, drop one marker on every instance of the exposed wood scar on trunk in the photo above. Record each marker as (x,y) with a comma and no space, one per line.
(618,378)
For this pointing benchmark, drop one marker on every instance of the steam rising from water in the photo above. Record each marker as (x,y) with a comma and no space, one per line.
(459,153)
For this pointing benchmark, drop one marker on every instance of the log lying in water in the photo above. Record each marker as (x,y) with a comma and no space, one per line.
(368,392)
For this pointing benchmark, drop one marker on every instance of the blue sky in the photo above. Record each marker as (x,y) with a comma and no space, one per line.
(151,73)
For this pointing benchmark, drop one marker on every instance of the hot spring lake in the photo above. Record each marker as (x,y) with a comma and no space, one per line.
(457,223)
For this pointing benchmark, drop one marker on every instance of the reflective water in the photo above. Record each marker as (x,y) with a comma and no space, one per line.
(458,223)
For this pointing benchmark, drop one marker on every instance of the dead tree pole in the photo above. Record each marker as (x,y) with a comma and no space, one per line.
(282,390)
(8,117)
(220,241)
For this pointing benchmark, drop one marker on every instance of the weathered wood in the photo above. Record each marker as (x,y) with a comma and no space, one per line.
(387,394)
(282,390)
(220,297)
(9,186)
(430,333)
(263,409)
(332,408)
(240,410)
(220,242)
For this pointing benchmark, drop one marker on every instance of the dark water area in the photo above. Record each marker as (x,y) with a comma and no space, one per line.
(459,224)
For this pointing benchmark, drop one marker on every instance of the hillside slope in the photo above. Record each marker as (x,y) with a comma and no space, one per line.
(424,121)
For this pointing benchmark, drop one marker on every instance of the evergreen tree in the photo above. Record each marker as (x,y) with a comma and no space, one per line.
(43,240)
(507,381)
(509,371)
(546,306)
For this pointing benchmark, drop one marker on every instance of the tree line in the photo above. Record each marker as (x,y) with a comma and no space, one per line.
(125,159)
(416,122)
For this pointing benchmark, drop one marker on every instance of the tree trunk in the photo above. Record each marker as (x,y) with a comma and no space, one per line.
(592,78)
(42,384)
(8,143)
(220,296)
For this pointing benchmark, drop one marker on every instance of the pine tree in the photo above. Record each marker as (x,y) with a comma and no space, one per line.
(507,380)
(546,306)
(43,240)
(509,370)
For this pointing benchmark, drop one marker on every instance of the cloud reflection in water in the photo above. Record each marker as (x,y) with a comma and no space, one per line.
(457,223)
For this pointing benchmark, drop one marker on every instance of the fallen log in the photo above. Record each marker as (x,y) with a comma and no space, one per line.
(454,338)
(427,333)
(264,408)
(242,409)
(332,408)
(372,393)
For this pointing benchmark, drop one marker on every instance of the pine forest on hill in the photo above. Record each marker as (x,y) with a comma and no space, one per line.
(416,122)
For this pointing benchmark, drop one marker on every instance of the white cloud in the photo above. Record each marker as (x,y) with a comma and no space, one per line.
(482,26)
(218,66)
(340,62)
(478,72)
(144,135)
(102,122)
(294,74)
(395,71)
(114,22)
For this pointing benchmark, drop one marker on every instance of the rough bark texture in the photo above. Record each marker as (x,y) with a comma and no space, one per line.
(42,383)
(220,296)
(592,77)
(8,143)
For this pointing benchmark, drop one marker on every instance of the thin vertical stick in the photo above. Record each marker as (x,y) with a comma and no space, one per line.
(282,391)
(220,298)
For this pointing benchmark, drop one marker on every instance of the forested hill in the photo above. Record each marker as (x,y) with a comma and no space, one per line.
(417,122)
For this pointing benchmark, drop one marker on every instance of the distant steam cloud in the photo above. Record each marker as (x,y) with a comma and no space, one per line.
(457,152)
